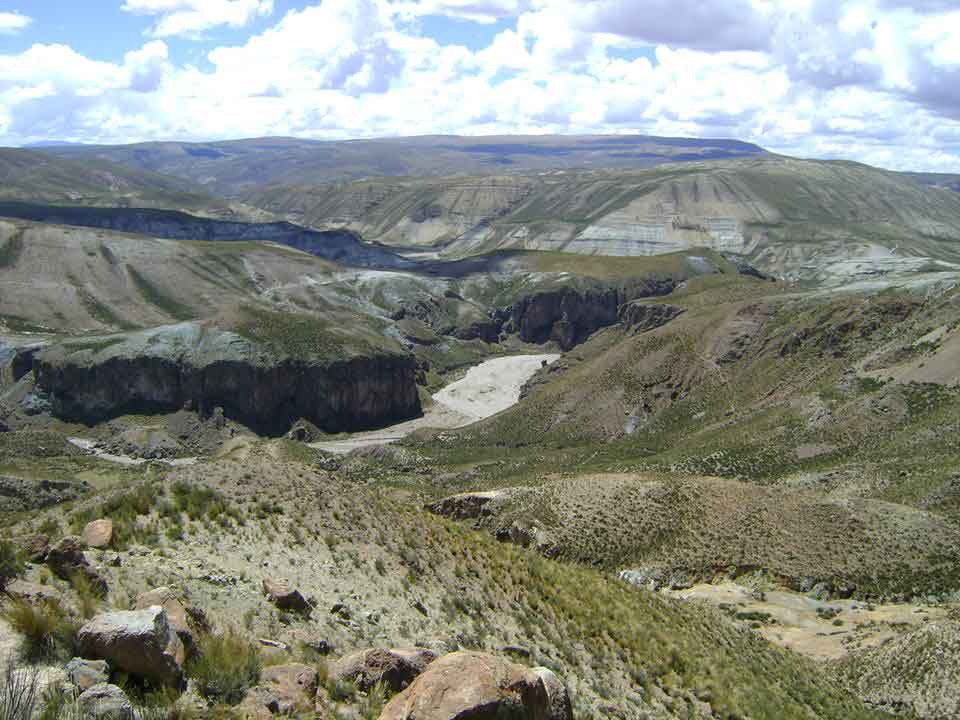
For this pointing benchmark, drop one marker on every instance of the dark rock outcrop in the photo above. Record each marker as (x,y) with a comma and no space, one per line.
(468,505)
(341,246)
(569,315)
(67,560)
(179,366)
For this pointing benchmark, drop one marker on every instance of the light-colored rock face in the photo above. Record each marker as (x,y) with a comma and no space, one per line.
(85,674)
(477,686)
(98,533)
(558,699)
(395,668)
(105,702)
(139,642)
(176,612)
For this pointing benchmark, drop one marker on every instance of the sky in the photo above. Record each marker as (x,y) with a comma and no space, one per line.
(876,81)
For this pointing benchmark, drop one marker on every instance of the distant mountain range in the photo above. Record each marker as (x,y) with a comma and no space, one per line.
(233,167)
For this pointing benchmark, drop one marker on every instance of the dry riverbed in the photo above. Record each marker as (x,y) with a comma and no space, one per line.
(486,389)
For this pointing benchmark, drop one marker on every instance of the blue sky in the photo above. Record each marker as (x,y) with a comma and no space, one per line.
(870,80)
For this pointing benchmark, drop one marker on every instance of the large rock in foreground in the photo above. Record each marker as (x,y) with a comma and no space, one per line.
(268,371)
(476,686)
(139,642)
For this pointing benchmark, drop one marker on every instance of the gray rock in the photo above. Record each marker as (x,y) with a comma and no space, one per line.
(139,642)
(87,673)
(558,699)
(176,612)
(106,702)
(66,559)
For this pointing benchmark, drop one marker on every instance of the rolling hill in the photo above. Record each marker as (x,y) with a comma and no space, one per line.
(37,177)
(235,166)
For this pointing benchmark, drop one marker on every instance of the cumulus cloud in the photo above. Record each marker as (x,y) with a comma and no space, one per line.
(187,17)
(872,80)
(13,22)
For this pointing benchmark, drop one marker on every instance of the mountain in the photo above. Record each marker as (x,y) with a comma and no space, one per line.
(826,221)
(232,167)
(39,177)
(938,180)
(548,427)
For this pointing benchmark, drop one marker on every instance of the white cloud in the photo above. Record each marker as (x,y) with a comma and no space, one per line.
(188,17)
(480,11)
(13,22)
(872,80)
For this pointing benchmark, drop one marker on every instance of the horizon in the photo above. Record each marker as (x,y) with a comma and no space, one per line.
(873,81)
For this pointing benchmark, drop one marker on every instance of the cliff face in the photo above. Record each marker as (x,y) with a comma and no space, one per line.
(569,315)
(267,394)
(336,245)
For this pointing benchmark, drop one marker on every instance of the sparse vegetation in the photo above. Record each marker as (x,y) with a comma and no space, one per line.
(45,629)
(225,667)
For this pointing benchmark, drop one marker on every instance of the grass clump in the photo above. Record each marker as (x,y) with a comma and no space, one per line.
(123,509)
(225,667)
(19,691)
(46,631)
(11,564)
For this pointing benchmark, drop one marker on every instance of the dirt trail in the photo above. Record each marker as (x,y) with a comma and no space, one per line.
(487,388)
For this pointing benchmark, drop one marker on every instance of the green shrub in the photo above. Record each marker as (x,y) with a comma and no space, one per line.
(11,564)
(45,629)
(225,667)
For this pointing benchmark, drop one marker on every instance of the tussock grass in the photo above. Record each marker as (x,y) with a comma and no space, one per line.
(47,632)
(225,667)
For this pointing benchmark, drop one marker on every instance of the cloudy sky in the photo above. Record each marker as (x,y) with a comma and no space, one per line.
(870,80)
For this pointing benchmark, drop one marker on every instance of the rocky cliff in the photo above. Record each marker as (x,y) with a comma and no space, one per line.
(340,246)
(569,315)
(205,368)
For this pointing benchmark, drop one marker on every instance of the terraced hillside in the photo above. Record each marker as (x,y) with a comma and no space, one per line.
(822,221)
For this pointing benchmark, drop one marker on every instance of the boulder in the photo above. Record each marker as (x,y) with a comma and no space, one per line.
(84,674)
(139,642)
(98,533)
(105,702)
(284,596)
(32,592)
(395,668)
(175,610)
(35,548)
(473,685)
(67,560)
(558,699)
(283,690)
